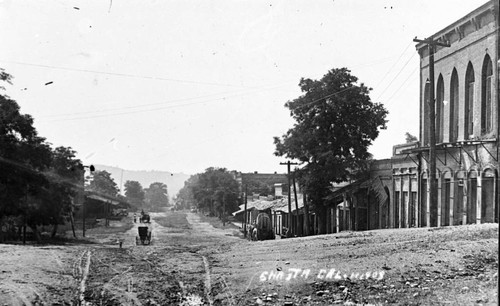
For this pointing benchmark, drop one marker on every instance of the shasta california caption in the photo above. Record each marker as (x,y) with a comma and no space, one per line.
(323,274)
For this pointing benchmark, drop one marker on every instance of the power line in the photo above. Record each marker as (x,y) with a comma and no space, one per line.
(122,74)
(401,70)
(173,80)
(345,89)
(150,104)
(404,82)
(155,109)
(393,65)
(327,96)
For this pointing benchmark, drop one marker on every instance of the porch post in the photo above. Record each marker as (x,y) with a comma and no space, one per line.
(452,201)
(439,199)
(479,195)
(428,204)
(465,199)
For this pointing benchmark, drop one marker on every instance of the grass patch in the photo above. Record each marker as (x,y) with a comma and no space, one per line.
(174,219)
(115,226)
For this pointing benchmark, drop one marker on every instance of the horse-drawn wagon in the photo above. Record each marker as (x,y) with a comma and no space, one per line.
(144,236)
(144,218)
(262,229)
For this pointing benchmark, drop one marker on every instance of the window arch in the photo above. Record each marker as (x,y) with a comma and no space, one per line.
(486,96)
(469,102)
(454,108)
(488,192)
(439,109)
(425,123)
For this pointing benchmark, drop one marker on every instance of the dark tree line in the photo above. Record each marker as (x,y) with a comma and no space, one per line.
(154,198)
(38,183)
(214,191)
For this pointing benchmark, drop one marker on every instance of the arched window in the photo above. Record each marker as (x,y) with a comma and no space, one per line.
(469,102)
(425,121)
(454,108)
(439,110)
(486,96)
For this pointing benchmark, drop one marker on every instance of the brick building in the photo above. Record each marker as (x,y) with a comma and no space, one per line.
(467,129)
(467,141)
(396,193)
(260,184)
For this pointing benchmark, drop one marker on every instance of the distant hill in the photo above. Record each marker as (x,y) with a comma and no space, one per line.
(174,181)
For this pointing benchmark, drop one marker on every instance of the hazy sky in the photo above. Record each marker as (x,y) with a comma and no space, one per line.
(184,85)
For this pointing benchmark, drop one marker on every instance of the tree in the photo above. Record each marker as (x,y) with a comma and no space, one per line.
(24,157)
(410,138)
(156,196)
(37,183)
(103,183)
(134,193)
(259,187)
(336,122)
(54,204)
(185,197)
(215,191)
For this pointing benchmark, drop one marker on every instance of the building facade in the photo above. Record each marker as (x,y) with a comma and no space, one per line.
(467,129)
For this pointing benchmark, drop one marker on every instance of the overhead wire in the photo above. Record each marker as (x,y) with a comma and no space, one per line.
(161,79)
(158,108)
(388,101)
(396,76)
(134,109)
(394,64)
(128,75)
(151,104)
(340,91)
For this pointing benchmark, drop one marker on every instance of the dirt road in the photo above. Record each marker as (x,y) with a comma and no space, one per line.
(192,263)
(423,266)
(173,270)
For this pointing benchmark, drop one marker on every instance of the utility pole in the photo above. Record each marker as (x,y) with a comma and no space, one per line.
(288,163)
(298,225)
(81,193)
(81,197)
(246,218)
(431,45)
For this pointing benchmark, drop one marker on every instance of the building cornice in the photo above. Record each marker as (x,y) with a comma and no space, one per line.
(458,25)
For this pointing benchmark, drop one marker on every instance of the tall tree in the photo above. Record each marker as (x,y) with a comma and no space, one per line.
(53,204)
(215,191)
(134,193)
(185,197)
(23,157)
(64,181)
(156,196)
(336,122)
(36,182)
(104,184)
